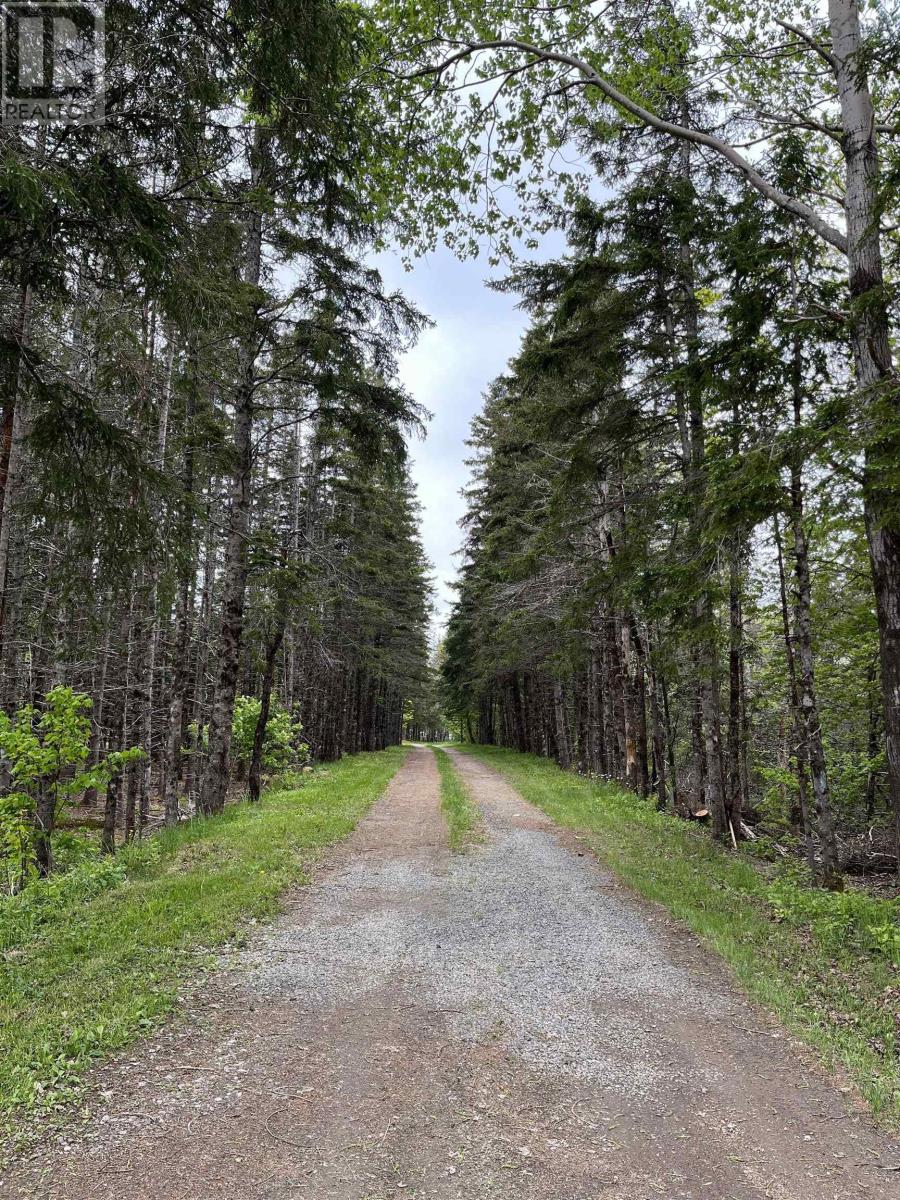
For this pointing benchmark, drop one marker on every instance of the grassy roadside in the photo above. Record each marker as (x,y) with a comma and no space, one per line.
(826,964)
(93,958)
(459,811)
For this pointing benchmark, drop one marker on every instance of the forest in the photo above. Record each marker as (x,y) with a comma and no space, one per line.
(209,562)
(681,559)
(678,547)
(491,846)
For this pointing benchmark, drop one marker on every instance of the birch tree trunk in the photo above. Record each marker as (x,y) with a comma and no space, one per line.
(870,331)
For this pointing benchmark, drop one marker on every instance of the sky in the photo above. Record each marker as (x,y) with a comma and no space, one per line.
(476,331)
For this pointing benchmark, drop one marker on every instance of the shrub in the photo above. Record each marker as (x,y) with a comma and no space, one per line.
(45,752)
(282,746)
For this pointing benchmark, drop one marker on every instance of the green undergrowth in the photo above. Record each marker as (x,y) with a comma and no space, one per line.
(826,963)
(93,957)
(461,814)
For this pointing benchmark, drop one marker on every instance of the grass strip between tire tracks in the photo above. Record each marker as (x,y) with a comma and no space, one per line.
(460,812)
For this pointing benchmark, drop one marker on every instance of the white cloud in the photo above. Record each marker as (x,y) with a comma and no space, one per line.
(476,332)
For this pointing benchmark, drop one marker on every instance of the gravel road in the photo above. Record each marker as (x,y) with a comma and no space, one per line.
(506,1022)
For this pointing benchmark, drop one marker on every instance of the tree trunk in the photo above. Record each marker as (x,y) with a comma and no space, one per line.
(639,710)
(130,636)
(734,797)
(629,710)
(809,708)
(712,737)
(45,822)
(698,750)
(797,716)
(696,480)
(873,741)
(89,799)
(198,707)
(658,731)
(670,744)
(234,583)
(153,622)
(598,756)
(295,532)
(616,697)
(181,674)
(259,735)
(870,332)
(113,790)
(563,748)
(12,434)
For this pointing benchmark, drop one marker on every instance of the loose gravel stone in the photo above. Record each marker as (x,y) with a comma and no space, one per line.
(517,938)
(510,1022)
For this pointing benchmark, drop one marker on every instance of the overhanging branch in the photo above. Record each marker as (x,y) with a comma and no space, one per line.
(797,208)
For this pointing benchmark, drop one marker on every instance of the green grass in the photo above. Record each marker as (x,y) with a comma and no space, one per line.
(94,957)
(459,811)
(826,964)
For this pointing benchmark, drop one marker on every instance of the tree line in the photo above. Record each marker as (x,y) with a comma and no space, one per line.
(682,548)
(209,555)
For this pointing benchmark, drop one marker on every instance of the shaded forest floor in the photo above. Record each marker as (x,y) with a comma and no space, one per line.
(509,1021)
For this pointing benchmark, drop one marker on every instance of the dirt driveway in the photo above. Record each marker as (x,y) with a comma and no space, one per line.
(507,1022)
